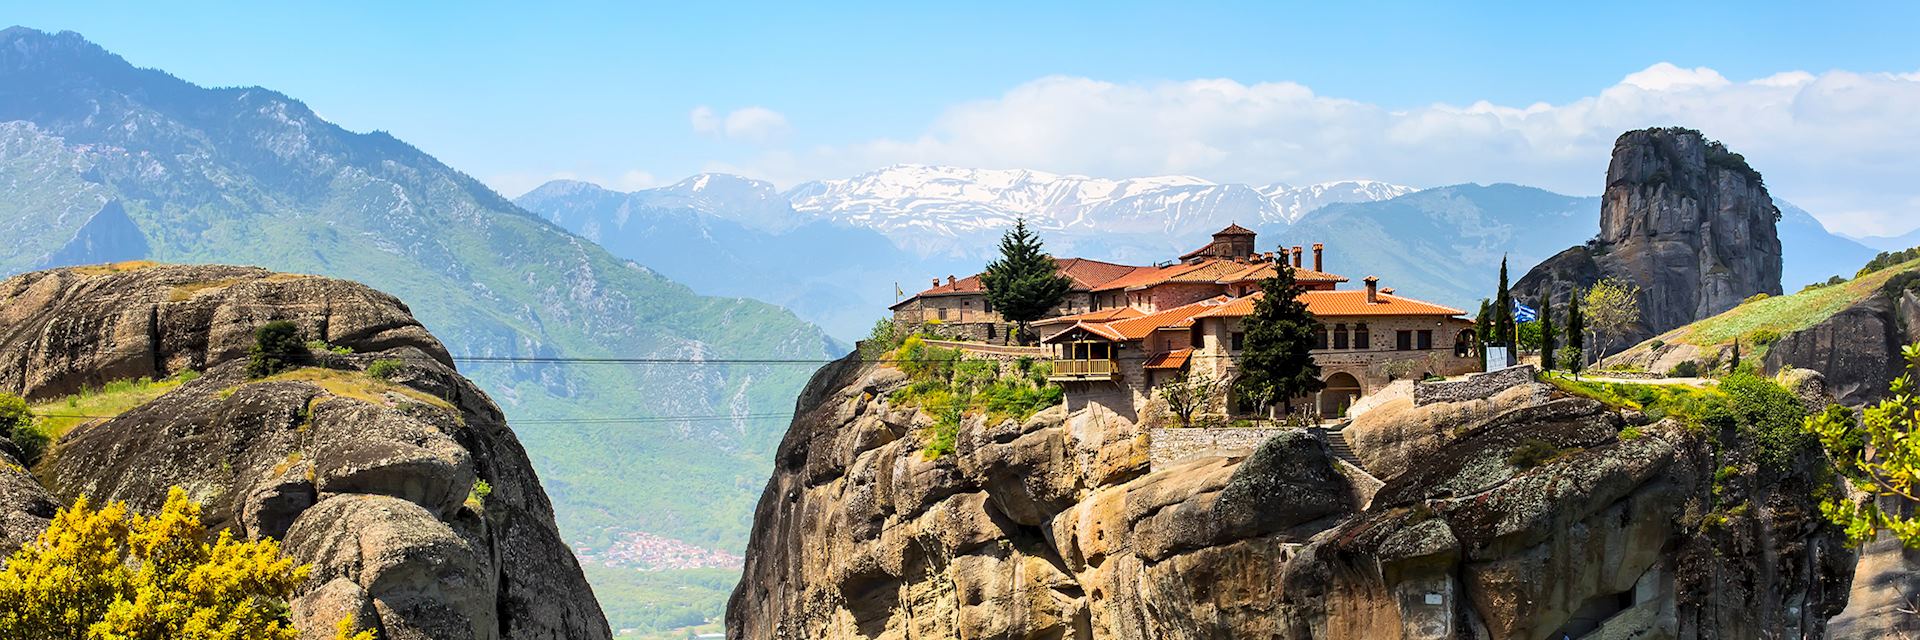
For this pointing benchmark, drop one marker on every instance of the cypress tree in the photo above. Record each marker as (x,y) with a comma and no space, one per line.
(1503,328)
(1576,333)
(1547,341)
(1025,283)
(1277,364)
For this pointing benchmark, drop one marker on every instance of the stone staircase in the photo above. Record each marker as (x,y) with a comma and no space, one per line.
(1337,443)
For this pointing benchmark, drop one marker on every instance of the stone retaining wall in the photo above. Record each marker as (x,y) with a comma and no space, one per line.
(1475,387)
(1167,446)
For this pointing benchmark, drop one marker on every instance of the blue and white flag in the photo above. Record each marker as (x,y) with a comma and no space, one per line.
(1524,313)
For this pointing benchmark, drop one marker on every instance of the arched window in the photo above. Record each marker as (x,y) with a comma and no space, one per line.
(1361,339)
(1463,344)
(1320,339)
(1340,336)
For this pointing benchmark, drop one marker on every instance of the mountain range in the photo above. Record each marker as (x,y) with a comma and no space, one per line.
(835,250)
(102,161)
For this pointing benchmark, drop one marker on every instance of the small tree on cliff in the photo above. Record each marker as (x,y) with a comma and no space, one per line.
(1613,308)
(276,347)
(1188,393)
(1277,364)
(1025,282)
(1878,456)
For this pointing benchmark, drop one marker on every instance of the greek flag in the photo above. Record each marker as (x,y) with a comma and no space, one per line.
(1524,313)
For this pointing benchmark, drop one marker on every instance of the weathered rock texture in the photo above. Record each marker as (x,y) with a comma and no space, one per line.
(1683,218)
(366,480)
(1055,528)
(1858,349)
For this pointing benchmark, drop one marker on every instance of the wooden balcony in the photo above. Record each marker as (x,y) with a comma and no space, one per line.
(1084,370)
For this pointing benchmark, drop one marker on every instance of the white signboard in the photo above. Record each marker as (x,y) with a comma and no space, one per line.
(1498,358)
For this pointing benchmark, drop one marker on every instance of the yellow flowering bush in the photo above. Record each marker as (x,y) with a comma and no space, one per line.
(111,574)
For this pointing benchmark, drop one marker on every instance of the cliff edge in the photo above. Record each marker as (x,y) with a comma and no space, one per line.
(371,479)
(1059,527)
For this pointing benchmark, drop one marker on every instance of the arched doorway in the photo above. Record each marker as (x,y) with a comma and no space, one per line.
(1341,391)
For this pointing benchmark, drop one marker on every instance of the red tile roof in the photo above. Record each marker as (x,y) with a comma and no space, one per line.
(1341,304)
(1262,271)
(1103,315)
(1136,328)
(1169,360)
(1234,230)
(1085,274)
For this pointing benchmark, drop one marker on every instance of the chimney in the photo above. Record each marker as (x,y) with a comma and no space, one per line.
(1268,255)
(1373,290)
(1319,252)
(950,280)
(1298,253)
(1388,291)
(936,282)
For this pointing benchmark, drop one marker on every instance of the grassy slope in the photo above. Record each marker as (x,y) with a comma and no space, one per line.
(1782,314)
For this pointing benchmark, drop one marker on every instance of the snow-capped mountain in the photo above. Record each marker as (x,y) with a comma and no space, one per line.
(1296,202)
(934,209)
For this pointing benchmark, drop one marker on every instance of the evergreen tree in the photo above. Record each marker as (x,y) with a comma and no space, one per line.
(1483,324)
(1277,364)
(1503,329)
(1025,283)
(1548,342)
(1576,334)
(1734,366)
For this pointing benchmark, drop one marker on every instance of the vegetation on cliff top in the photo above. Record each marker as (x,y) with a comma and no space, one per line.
(1760,319)
(1879,455)
(950,386)
(112,574)
(1754,406)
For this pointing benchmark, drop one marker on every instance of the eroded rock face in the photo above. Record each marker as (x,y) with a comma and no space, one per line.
(367,480)
(1029,531)
(1858,349)
(65,329)
(1682,218)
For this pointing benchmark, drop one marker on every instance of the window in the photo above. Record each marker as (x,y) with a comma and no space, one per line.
(1403,340)
(943,313)
(1320,339)
(1339,336)
(1426,339)
(990,335)
(1239,341)
(1361,340)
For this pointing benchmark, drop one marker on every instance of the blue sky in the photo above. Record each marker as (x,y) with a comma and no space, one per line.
(613,91)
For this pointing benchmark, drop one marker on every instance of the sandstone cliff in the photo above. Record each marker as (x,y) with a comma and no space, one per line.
(367,479)
(1057,528)
(1683,218)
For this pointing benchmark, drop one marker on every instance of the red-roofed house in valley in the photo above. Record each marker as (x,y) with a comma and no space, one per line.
(1123,331)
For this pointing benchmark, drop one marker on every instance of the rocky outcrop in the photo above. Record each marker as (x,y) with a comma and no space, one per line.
(1683,218)
(1055,528)
(67,329)
(1858,349)
(366,479)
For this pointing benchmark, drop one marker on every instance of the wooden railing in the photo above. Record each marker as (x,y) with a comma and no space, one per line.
(1084,369)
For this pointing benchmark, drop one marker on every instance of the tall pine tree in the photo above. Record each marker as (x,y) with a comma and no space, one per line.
(1277,363)
(1025,283)
(1548,342)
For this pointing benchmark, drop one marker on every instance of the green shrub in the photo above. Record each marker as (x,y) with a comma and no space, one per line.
(1686,369)
(276,347)
(1243,423)
(385,368)
(1657,344)
(883,338)
(322,346)
(1630,433)
(944,434)
(1532,452)
(16,425)
(1755,298)
(477,496)
(1764,337)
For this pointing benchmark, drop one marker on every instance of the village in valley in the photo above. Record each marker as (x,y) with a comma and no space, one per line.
(1173,344)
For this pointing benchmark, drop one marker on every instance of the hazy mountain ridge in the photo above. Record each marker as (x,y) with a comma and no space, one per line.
(249,176)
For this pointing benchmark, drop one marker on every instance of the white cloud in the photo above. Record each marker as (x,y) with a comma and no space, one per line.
(1832,142)
(748,124)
